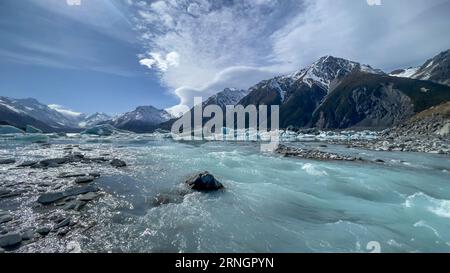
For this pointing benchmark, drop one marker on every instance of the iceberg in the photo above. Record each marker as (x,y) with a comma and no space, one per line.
(104,130)
(9,130)
(32,130)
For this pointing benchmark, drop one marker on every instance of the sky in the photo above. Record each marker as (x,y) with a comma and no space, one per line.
(114,55)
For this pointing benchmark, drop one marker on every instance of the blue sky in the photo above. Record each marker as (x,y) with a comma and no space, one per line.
(113,55)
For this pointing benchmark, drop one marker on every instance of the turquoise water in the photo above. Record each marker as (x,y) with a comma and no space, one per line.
(271,203)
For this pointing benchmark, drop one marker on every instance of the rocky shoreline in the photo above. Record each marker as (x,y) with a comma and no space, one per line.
(313,154)
(53,203)
(46,203)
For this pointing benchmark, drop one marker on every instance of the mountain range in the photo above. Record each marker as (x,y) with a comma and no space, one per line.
(331,93)
(436,69)
(335,93)
(52,118)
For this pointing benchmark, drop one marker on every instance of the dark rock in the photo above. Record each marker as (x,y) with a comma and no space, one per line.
(96,175)
(88,196)
(27,164)
(380,161)
(11,194)
(63,223)
(71,175)
(48,198)
(10,240)
(7,161)
(53,162)
(80,190)
(44,231)
(5,219)
(204,182)
(4,191)
(27,235)
(118,163)
(63,232)
(83,180)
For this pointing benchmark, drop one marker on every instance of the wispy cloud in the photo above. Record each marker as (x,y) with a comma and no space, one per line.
(219,43)
(65,111)
(80,36)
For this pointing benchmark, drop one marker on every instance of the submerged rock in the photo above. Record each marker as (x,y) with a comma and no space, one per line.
(80,190)
(49,198)
(204,182)
(76,205)
(118,163)
(10,240)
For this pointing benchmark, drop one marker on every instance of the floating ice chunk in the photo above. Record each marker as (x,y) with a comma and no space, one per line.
(104,130)
(7,130)
(33,130)
(36,138)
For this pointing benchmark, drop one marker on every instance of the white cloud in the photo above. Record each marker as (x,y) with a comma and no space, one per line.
(374,2)
(171,59)
(66,112)
(202,46)
(73,2)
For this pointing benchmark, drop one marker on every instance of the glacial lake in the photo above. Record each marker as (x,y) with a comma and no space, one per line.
(270,204)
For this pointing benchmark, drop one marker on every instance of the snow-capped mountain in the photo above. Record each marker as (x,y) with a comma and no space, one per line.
(93,120)
(10,114)
(229,96)
(147,114)
(328,69)
(324,74)
(35,109)
(436,69)
(405,73)
(338,93)
(143,119)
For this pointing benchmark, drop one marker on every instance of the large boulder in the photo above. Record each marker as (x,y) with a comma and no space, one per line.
(10,240)
(204,182)
(118,163)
